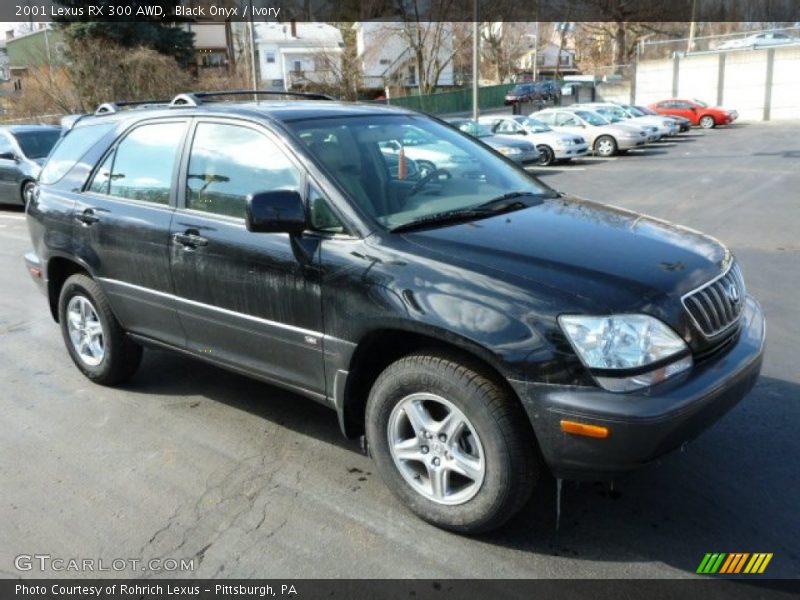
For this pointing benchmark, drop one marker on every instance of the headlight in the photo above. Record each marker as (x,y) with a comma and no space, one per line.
(620,349)
(506,150)
(565,142)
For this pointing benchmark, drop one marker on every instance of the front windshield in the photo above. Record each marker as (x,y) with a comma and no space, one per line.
(645,110)
(533,125)
(455,173)
(635,111)
(700,103)
(591,117)
(37,144)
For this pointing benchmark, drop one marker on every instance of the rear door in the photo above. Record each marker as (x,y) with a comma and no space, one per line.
(249,300)
(122,222)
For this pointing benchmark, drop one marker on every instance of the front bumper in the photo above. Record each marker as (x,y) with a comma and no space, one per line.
(565,152)
(624,143)
(646,424)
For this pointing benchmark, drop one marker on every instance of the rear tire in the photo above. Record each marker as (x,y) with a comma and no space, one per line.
(451,443)
(707,122)
(94,338)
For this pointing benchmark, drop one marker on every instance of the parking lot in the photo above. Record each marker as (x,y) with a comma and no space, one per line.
(189,461)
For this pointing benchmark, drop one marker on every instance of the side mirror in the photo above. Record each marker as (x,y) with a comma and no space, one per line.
(279,211)
(8,156)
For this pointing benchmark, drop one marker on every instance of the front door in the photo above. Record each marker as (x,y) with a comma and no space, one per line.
(249,300)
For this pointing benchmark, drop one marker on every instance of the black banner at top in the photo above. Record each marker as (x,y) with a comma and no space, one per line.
(769,11)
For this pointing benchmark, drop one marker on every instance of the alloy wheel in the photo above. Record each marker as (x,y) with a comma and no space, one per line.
(436,449)
(85,331)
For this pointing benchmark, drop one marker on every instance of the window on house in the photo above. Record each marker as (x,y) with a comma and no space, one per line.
(298,65)
(270,56)
(565,60)
(385,61)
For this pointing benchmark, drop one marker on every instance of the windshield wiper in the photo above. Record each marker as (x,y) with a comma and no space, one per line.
(505,203)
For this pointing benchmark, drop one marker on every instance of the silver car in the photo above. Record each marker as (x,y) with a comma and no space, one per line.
(604,137)
(23,150)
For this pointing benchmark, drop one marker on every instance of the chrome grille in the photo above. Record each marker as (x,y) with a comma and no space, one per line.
(717,305)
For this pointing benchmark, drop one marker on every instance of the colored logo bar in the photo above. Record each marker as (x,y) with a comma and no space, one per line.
(734,563)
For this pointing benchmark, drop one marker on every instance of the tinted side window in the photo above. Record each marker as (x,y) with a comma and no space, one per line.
(566,120)
(144,162)
(103,176)
(71,149)
(229,162)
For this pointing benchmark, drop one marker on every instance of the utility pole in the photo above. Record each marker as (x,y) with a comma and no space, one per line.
(692,27)
(253,51)
(476,44)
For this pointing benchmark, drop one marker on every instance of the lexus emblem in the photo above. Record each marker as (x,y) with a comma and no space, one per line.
(733,293)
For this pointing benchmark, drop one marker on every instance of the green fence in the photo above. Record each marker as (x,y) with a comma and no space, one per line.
(454,102)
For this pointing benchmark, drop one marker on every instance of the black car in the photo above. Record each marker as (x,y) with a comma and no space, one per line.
(523,92)
(476,326)
(23,149)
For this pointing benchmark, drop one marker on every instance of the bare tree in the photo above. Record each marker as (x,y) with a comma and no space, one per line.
(431,37)
(107,72)
(503,44)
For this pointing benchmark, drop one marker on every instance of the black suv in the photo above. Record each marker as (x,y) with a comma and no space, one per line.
(475,325)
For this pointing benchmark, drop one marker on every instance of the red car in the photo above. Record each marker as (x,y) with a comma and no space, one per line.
(699,113)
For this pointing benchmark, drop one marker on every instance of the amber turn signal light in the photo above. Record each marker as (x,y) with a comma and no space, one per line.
(594,431)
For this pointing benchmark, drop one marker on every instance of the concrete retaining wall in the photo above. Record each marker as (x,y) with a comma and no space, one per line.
(761,84)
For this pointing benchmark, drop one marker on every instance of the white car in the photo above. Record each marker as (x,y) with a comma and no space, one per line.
(616,115)
(759,40)
(605,138)
(553,146)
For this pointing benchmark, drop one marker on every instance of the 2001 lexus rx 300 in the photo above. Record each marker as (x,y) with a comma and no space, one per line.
(477,326)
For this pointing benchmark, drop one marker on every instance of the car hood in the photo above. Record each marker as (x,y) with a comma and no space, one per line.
(609,258)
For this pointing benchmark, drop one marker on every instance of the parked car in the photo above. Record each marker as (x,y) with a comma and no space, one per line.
(604,137)
(684,124)
(667,126)
(431,153)
(760,40)
(23,149)
(616,115)
(523,92)
(699,113)
(518,150)
(552,146)
(476,331)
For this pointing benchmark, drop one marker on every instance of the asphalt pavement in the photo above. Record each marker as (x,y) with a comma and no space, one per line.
(191,462)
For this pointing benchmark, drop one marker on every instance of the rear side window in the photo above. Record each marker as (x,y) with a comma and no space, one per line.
(229,162)
(141,166)
(71,149)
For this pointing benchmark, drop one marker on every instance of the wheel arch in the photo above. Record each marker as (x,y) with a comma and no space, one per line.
(373,354)
(59,269)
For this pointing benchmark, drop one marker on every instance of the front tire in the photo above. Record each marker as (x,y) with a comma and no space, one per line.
(94,338)
(707,122)
(451,443)
(546,156)
(605,146)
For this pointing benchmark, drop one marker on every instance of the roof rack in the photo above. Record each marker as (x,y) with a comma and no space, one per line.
(198,98)
(108,108)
